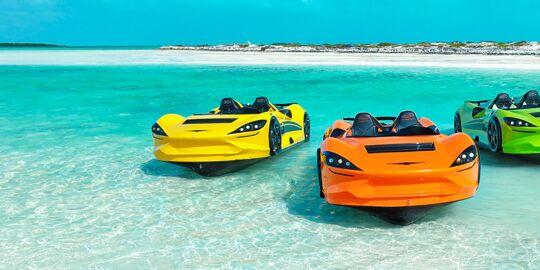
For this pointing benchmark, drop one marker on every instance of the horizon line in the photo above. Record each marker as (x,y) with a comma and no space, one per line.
(42,44)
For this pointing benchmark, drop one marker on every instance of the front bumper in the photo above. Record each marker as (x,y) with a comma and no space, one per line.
(521,140)
(211,148)
(400,188)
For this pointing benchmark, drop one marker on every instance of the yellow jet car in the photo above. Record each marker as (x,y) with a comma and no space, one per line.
(230,137)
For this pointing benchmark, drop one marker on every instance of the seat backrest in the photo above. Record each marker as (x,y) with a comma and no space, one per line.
(365,125)
(228,106)
(529,100)
(261,104)
(404,120)
(501,102)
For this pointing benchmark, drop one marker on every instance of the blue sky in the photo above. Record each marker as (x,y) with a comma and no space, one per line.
(135,22)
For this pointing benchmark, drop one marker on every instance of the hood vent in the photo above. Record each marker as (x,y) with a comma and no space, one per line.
(209,121)
(406,163)
(402,147)
(536,114)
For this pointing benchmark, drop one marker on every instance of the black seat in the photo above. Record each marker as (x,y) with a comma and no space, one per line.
(261,104)
(365,125)
(404,120)
(501,102)
(529,100)
(228,106)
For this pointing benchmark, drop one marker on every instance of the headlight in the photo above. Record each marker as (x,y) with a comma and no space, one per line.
(256,125)
(156,129)
(514,122)
(469,155)
(335,160)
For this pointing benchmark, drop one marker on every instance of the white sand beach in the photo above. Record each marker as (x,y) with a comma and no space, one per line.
(169,57)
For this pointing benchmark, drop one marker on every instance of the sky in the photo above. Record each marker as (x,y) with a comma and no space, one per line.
(189,22)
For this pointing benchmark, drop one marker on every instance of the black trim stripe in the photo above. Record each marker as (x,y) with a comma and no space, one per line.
(523,131)
(290,126)
(402,147)
(468,168)
(406,163)
(209,121)
(291,123)
(245,136)
(344,174)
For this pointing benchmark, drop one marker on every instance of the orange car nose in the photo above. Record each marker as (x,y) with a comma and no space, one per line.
(399,188)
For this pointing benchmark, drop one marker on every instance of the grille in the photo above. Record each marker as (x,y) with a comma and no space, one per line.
(403,147)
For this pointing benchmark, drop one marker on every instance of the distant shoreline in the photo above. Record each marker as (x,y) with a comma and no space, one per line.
(11,44)
(445,48)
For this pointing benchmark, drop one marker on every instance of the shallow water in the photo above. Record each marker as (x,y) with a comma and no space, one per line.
(79,187)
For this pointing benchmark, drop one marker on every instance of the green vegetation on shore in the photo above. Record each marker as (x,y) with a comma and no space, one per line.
(453,44)
(454,47)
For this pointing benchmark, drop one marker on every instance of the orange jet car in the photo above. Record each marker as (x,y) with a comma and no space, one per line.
(395,167)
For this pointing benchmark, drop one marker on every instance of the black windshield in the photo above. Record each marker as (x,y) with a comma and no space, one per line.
(408,131)
(418,130)
(243,110)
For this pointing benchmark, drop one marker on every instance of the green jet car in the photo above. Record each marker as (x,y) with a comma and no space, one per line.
(505,124)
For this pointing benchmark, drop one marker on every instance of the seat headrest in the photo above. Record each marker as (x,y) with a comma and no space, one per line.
(365,125)
(261,104)
(228,106)
(502,102)
(404,120)
(529,100)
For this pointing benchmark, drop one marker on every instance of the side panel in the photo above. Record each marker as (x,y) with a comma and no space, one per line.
(292,128)
(473,121)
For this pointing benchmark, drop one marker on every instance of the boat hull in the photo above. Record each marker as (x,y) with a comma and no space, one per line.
(219,167)
(400,215)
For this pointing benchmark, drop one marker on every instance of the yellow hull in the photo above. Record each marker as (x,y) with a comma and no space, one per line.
(210,143)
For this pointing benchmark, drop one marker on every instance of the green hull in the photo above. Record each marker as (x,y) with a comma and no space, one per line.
(475,119)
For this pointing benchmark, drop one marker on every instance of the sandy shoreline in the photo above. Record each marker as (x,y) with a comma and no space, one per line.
(164,57)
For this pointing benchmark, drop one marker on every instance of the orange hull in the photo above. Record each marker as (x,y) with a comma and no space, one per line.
(396,171)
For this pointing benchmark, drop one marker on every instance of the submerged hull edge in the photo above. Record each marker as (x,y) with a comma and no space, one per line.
(218,168)
(400,215)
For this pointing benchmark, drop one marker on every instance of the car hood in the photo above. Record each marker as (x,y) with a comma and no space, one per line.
(531,115)
(211,124)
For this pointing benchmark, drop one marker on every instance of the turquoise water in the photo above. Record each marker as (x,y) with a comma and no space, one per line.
(79,187)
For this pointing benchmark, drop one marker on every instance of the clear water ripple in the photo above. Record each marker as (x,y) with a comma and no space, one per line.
(79,188)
